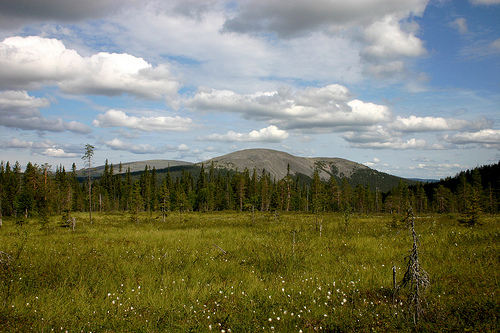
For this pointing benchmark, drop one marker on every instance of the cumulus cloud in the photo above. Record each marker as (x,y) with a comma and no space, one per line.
(372,163)
(20,110)
(388,41)
(44,148)
(17,100)
(426,124)
(117,144)
(268,134)
(488,138)
(44,124)
(117,118)
(380,137)
(438,170)
(30,62)
(308,109)
(394,143)
(58,153)
(16,143)
(388,46)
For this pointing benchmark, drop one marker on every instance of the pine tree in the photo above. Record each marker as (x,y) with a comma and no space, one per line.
(87,157)
(316,192)
(137,202)
(164,198)
(473,207)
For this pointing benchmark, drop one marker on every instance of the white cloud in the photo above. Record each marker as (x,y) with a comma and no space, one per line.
(439,170)
(489,138)
(117,118)
(16,100)
(461,25)
(425,124)
(372,163)
(43,145)
(181,147)
(396,143)
(388,46)
(58,153)
(44,148)
(28,63)
(268,134)
(16,143)
(381,137)
(311,108)
(117,144)
(44,124)
(387,42)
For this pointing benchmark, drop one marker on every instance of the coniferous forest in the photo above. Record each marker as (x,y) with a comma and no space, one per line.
(40,192)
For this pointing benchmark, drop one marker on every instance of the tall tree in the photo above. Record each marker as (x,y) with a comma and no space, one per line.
(165,198)
(316,192)
(473,207)
(137,202)
(87,157)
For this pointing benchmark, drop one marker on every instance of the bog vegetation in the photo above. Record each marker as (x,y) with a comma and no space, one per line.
(240,252)
(244,272)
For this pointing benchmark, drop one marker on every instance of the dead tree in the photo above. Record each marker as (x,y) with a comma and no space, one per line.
(415,279)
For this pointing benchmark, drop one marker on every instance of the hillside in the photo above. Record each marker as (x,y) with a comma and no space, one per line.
(276,163)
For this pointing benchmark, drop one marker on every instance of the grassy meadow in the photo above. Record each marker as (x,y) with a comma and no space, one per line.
(238,272)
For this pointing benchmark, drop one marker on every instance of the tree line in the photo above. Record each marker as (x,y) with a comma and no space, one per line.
(42,192)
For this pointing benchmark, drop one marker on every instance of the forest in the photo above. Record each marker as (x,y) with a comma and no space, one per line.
(41,192)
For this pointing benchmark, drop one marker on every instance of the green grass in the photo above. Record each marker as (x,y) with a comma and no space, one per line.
(278,274)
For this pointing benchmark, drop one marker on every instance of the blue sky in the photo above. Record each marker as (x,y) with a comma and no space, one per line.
(409,87)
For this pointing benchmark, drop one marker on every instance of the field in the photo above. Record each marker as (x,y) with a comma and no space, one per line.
(238,272)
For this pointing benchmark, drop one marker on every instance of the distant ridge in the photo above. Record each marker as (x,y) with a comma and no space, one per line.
(137,166)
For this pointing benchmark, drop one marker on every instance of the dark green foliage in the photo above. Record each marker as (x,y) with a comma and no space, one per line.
(39,192)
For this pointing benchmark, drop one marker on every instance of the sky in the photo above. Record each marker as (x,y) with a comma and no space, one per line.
(407,87)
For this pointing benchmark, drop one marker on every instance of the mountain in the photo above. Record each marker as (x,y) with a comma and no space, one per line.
(275,163)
